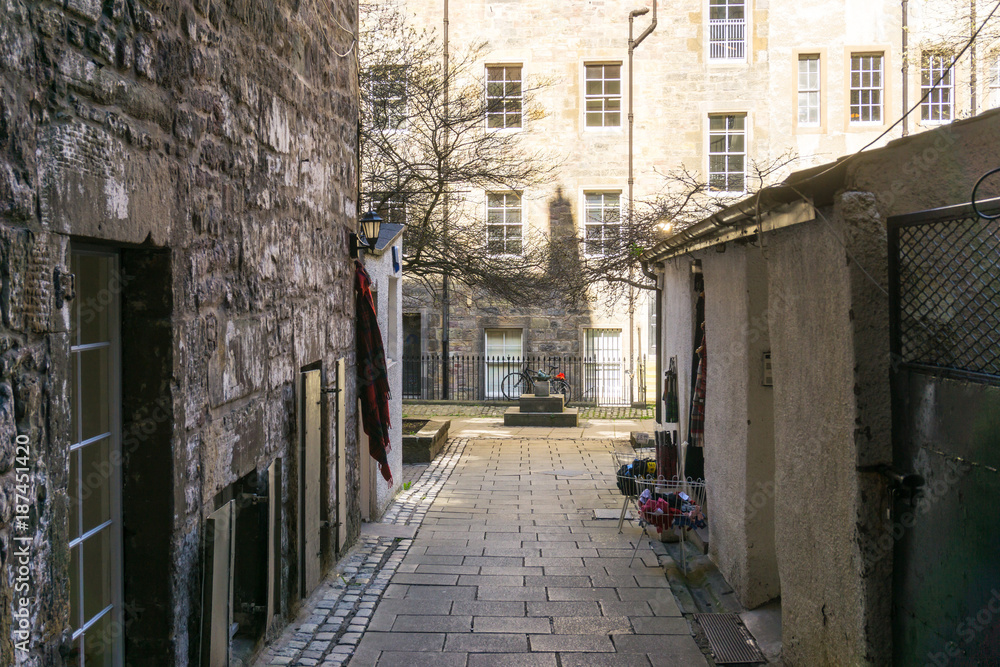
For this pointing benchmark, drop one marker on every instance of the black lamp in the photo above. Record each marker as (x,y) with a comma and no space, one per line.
(371,226)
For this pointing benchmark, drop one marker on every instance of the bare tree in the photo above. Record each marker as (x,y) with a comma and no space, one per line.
(608,263)
(941,29)
(423,150)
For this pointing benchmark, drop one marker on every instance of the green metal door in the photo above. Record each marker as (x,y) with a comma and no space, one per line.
(945,542)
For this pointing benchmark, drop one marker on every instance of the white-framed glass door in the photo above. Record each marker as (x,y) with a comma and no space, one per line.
(603,374)
(503,355)
(95,463)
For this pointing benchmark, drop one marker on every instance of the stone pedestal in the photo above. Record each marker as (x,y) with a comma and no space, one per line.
(535,410)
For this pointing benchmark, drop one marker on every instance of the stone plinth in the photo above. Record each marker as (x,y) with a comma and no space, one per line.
(515,417)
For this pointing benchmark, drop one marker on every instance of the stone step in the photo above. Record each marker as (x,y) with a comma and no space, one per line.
(514,417)
(532,403)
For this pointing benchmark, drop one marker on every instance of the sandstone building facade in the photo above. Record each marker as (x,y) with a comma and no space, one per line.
(719,86)
(177,182)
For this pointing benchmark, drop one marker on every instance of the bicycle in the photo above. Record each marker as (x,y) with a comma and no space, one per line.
(523,381)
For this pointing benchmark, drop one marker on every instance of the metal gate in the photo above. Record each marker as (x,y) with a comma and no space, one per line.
(944,277)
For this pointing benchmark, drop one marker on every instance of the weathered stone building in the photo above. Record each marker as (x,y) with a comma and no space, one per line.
(821,411)
(177,181)
(719,85)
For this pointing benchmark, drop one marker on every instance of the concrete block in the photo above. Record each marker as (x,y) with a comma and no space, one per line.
(426,443)
(514,417)
(538,403)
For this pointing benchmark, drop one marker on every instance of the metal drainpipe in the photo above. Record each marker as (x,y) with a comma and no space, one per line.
(906,69)
(632,43)
(445,291)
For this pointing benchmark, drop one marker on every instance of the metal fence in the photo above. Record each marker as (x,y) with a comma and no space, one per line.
(944,291)
(592,380)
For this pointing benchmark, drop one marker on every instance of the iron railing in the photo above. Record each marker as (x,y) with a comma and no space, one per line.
(727,39)
(593,380)
(944,291)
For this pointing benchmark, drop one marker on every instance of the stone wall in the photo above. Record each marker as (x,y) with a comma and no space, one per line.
(214,144)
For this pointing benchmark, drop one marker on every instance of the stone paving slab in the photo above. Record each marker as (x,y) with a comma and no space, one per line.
(506,567)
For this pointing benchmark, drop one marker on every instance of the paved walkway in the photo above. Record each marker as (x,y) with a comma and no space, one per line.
(510,568)
(506,566)
(497,410)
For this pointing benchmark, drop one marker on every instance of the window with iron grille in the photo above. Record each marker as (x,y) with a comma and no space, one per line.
(602,221)
(603,95)
(727,152)
(503,223)
(809,90)
(503,96)
(866,87)
(936,84)
(727,29)
(390,206)
(388,96)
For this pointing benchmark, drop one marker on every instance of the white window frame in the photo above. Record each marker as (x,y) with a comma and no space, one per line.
(390,207)
(604,368)
(994,78)
(511,94)
(940,101)
(606,104)
(394,105)
(78,445)
(727,134)
(726,32)
(602,225)
(861,73)
(498,365)
(809,90)
(500,219)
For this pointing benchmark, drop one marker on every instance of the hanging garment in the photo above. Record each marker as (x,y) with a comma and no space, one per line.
(672,411)
(697,437)
(373,381)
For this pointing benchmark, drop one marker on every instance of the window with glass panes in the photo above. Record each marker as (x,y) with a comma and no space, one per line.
(602,221)
(390,206)
(727,152)
(94,482)
(503,96)
(503,223)
(866,88)
(388,94)
(994,81)
(936,88)
(809,90)
(726,29)
(603,95)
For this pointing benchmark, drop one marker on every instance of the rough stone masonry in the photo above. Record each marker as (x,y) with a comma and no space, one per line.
(211,143)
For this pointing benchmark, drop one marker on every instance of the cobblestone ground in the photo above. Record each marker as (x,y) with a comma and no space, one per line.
(332,621)
(490,410)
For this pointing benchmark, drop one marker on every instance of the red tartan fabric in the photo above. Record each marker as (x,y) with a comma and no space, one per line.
(373,382)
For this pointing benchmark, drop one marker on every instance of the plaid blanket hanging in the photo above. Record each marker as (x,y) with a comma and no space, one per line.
(373,381)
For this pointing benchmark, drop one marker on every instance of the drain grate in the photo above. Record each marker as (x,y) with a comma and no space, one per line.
(731,642)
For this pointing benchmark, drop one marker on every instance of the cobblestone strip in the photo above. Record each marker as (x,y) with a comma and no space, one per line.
(491,410)
(337,613)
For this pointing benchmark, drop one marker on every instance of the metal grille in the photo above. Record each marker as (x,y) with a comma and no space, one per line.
(945,289)
(729,639)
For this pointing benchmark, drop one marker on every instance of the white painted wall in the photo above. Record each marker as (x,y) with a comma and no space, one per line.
(388,281)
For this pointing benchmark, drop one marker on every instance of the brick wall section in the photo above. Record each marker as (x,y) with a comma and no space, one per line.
(224,134)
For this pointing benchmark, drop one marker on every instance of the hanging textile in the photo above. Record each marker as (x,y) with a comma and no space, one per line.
(672,411)
(373,381)
(697,437)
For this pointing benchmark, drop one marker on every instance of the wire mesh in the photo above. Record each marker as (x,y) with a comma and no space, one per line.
(948,310)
